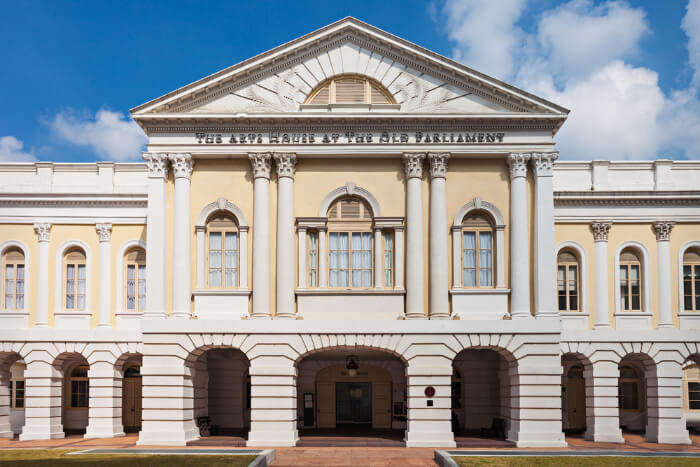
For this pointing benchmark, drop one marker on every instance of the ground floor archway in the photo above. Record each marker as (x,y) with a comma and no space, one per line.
(573,393)
(351,394)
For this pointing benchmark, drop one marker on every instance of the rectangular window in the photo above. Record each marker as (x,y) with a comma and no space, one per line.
(573,288)
(79,393)
(10,286)
(231,259)
(142,286)
(131,287)
(388,259)
(215,259)
(350,259)
(485,255)
(17,394)
(561,287)
(693,396)
(688,287)
(313,259)
(630,287)
(469,259)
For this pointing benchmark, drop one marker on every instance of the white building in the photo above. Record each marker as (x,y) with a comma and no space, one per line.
(350,229)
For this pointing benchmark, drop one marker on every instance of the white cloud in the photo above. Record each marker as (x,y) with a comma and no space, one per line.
(691,26)
(11,150)
(485,34)
(575,56)
(578,36)
(109,134)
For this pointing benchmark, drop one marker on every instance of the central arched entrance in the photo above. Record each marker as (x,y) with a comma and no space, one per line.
(346,397)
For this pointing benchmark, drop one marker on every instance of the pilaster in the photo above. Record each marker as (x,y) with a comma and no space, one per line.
(662,229)
(602,412)
(42,400)
(43,231)
(602,295)
(104,233)
(105,405)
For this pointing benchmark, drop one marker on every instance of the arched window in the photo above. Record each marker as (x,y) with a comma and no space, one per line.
(350,244)
(350,89)
(568,281)
(222,251)
(74,279)
(630,280)
(629,389)
(691,280)
(135,280)
(477,250)
(79,387)
(13,278)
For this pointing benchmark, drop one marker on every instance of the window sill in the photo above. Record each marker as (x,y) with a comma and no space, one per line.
(330,292)
(221,292)
(573,313)
(632,313)
(483,291)
(72,313)
(13,313)
(129,314)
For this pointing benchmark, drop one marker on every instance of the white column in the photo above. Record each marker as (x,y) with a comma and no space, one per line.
(602,413)
(665,418)
(378,259)
(286,165)
(663,244)
(105,410)
(43,232)
(545,261)
(519,238)
(182,284)
(414,231)
(42,403)
(104,233)
(439,274)
(398,260)
(322,258)
(302,256)
(600,236)
(429,419)
(261,233)
(156,238)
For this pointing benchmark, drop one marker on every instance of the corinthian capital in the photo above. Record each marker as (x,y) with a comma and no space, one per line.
(104,231)
(261,164)
(43,231)
(286,164)
(182,164)
(438,164)
(157,164)
(543,163)
(662,229)
(413,164)
(518,164)
(601,230)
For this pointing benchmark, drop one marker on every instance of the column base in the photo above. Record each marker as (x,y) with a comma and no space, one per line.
(167,438)
(7,434)
(272,438)
(440,316)
(104,432)
(537,440)
(416,316)
(29,434)
(429,439)
(285,316)
(547,315)
(670,438)
(604,437)
(521,315)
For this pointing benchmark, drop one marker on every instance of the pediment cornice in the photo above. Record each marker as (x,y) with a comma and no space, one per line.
(349,30)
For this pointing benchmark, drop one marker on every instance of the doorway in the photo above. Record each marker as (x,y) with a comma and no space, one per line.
(131,399)
(353,403)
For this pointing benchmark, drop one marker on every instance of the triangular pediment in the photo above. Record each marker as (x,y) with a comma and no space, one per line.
(280,81)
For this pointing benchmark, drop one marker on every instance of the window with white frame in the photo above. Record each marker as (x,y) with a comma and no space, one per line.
(388,259)
(17,387)
(691,375)
(79,387)
(477,250)
(135,280)
(74,282)
(350,244)
(312,245)
(691,280)
(222,251)
(568,281)
(630,280)
(13,268)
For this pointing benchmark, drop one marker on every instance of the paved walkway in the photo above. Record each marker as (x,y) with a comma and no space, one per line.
(361,454)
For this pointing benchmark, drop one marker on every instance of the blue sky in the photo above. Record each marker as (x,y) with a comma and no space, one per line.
(71,70)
